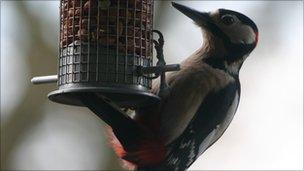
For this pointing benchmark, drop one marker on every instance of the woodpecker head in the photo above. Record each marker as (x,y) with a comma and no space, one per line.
(231,34)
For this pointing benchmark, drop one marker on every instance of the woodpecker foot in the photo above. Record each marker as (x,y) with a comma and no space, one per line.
(159,45)
(164,88)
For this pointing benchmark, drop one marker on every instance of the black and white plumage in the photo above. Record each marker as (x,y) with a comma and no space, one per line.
(204,96)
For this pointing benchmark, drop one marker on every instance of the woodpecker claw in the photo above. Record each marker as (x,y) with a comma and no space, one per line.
(161,37)
(159,47)
(164,88)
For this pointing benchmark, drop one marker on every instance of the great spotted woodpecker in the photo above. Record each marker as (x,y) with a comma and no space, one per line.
(203,98)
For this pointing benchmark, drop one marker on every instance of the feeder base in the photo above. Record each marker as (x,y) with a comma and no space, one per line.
(119,95)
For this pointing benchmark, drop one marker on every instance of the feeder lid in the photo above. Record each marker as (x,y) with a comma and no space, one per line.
(120,96)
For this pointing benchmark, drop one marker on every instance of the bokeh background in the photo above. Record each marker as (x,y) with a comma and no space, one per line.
(266,133)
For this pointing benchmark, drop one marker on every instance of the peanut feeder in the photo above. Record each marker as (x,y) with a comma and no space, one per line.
(106,47)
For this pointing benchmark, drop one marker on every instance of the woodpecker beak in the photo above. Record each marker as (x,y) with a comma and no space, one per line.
(201,18)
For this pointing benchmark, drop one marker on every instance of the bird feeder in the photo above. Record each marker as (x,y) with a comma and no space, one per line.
(106,47)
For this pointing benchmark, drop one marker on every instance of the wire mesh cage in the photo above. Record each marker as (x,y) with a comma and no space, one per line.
(101,44)
(106,47)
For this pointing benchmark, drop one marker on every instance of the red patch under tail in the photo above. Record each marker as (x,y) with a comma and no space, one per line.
(150,151)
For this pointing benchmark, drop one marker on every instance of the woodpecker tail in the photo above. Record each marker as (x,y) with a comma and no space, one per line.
(131,140)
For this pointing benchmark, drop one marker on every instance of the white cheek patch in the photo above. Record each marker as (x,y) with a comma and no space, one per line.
(237,32)
(240,33)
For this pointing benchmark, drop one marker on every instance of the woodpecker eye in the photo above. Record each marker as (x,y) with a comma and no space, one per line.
(228,20)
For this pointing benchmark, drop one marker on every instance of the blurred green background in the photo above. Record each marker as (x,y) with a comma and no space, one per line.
(267,132)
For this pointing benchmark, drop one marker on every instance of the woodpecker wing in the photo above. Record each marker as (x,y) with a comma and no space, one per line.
(189,89)
(209,123)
